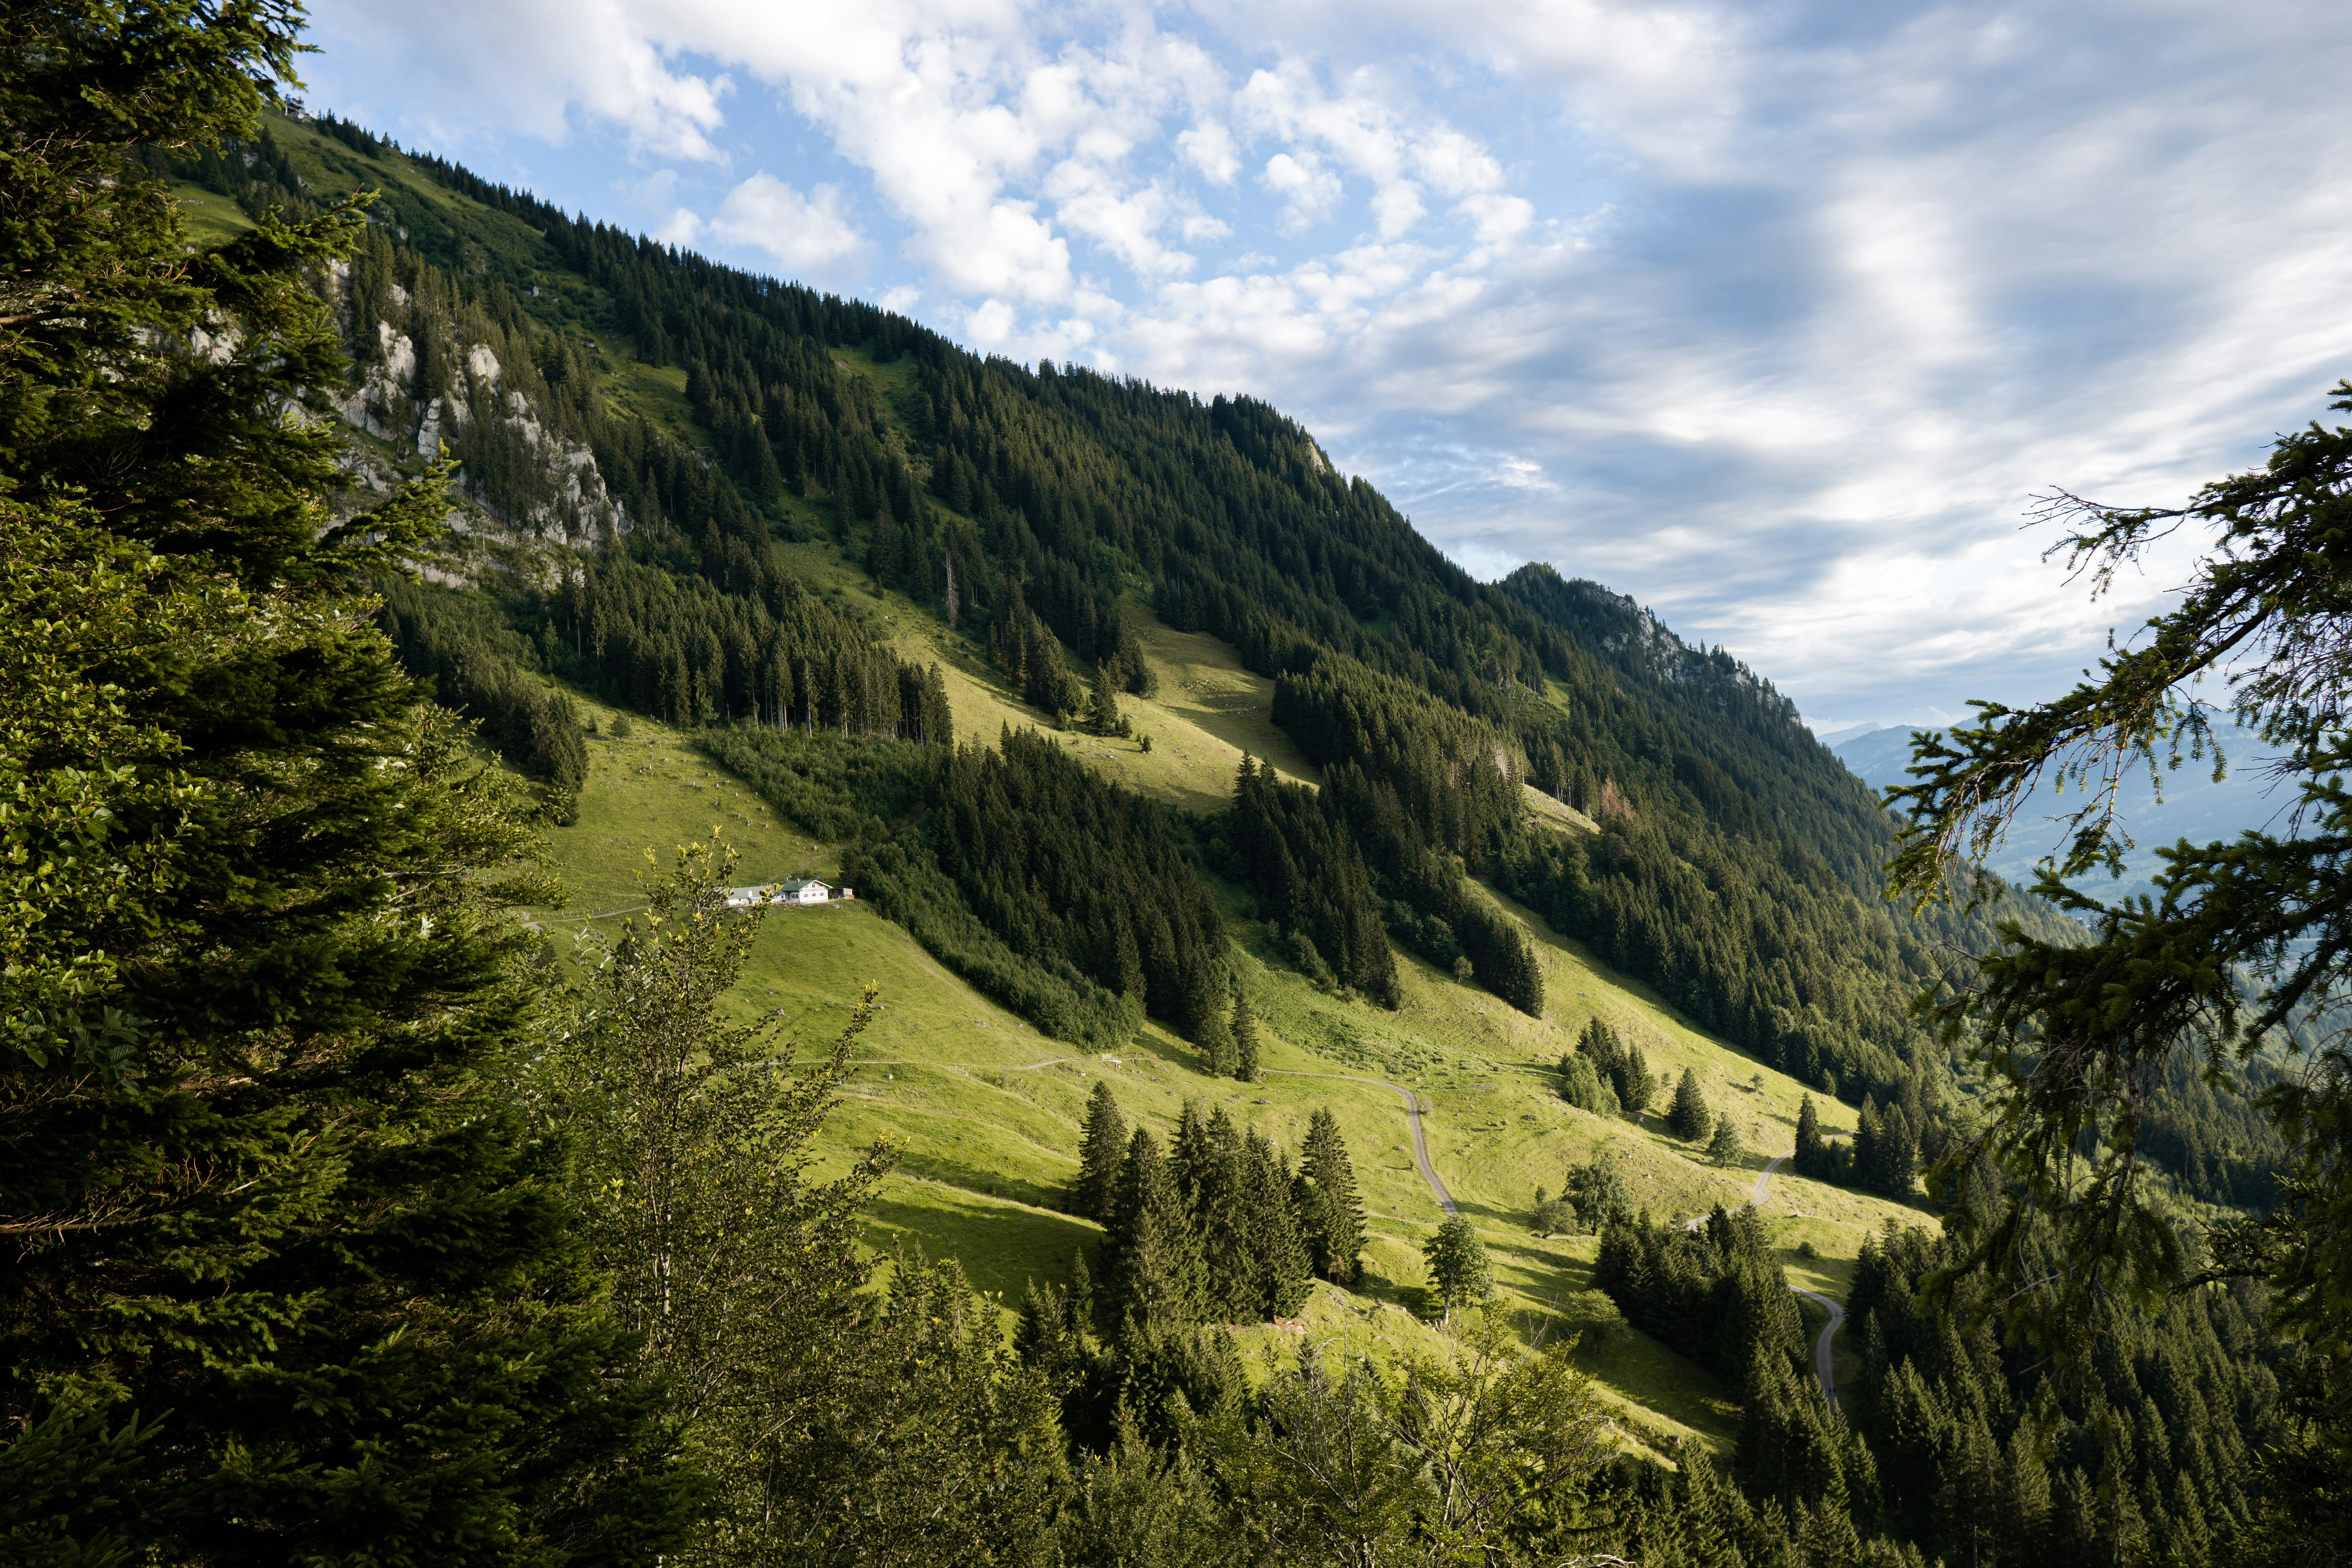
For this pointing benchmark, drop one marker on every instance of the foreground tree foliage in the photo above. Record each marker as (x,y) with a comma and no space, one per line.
(2244,951)
(829,1424)
(284,1275)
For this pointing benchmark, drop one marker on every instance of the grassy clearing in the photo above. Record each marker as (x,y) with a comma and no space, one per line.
(211,220)
(984,1111)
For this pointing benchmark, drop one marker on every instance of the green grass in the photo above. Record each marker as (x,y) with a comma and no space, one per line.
(211,220)
(984,1111)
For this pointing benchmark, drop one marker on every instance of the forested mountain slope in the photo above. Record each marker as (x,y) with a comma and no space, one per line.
(780,548)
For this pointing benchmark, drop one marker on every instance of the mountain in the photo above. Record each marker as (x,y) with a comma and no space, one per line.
(1175,774)
(2186,802)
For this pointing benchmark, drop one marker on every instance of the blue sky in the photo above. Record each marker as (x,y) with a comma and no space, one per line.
(1773,316)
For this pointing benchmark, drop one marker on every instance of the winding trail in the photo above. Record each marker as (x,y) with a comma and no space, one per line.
(1412,1114)
(1822,1357)
(1821,1345)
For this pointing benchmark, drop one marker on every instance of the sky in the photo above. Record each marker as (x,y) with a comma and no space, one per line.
(1774,316)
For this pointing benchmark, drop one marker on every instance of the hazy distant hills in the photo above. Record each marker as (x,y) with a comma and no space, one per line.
(2193,806)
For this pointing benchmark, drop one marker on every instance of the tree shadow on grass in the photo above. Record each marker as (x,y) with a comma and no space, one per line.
(1002,1247)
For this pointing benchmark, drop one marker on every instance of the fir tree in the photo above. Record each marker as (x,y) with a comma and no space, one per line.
(1102,1145)
(1285,1266)
(1725,1148)
(1244,1032)
(1157,1272)
(1688,1119)
(299,1249)
(1812,1156)
(1102,704)
(1328,1209)
(1082,1290)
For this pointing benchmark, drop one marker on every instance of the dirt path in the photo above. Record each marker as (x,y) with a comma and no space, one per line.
(1821,1345)
(1412,1114)
(1822,1364)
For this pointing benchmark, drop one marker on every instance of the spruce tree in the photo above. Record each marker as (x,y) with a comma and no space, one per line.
(1204,1018)
(1220,1214)
(1285,1266)
(1725,1148)
(1102,703)
(1869,1139)
(1244,1032)
(1157,1272)
(303,1270)
(1102,1145)
(1688,1118)
(1810,1157)
(1081,1295)
(1328,1209)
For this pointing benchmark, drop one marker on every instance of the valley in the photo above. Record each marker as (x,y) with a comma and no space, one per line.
(985,1111)
(1313,1055)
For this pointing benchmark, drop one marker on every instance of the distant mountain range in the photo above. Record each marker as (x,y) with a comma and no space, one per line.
(2193,806)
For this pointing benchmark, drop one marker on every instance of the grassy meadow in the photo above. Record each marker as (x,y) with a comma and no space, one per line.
(984,1111)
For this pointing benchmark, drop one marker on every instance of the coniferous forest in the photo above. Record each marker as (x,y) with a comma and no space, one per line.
(343,1219)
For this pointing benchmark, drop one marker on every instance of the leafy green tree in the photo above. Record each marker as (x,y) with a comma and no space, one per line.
(1458,1265)
(1688,1118)
(1619,1063)
(1102,1145)
(1483,1455)
(288,1272)
(737,1269)
(1244,1032)
(1550,1215)
(1598,1195)
(1329,1212)
(1583,1085)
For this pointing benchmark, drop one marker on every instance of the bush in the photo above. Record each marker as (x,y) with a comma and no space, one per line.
(1551,1215)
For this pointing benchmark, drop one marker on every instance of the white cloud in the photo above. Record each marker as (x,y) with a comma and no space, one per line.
(1309,193)
(1772,316)
(1209,147)
(805,234)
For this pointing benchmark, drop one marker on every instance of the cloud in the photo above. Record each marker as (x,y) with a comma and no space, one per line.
(806,234)
(1773,317)
(1309,193)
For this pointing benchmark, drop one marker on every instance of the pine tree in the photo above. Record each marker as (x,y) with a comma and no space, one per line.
(1157,1272)
(300,1249)
(1329,1212)
(1244,1032)
(1286,1268)
(1811,1156)
(1725,1148)
(1688,1119)
(1458,1265)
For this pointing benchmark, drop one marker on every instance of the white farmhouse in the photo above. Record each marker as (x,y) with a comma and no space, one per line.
(795,891)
